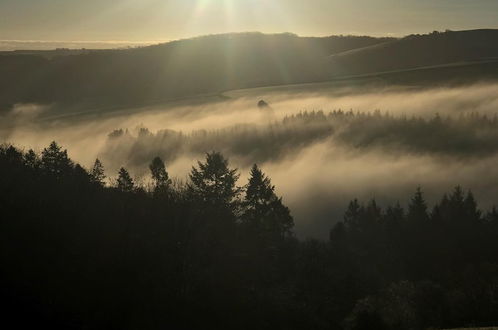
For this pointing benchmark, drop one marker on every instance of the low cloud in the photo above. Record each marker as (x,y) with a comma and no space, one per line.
(317,164)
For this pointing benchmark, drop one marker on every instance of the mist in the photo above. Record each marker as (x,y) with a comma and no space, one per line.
(321,144)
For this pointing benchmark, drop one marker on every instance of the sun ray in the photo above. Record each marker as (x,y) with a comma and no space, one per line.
(200,8)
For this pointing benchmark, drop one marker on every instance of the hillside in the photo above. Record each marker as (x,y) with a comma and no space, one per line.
(173,70)
(418,51)
(212,64)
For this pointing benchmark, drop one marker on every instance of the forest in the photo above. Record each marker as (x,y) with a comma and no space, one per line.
(465,135)
(87,249)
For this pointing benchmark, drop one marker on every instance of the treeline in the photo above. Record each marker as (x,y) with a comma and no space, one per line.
(75,253)
(437,267)
(467,135)
(78,253)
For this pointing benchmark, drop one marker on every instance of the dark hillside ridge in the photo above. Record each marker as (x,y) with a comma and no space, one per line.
(212,64)
(414,51)
(176,69)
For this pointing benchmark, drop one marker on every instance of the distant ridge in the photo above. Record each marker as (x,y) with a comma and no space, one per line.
(211,64)
(418,51)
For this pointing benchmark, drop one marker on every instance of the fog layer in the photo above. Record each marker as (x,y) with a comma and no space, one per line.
(318,152)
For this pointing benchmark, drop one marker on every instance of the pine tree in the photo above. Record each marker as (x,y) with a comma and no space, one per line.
(125,182)
(259,192)
(214,183)
(472,213)
(353,214)
(373,213)
(31,159)
(394,216)
(159,174)
(441,212)
(55,161)
(456,210)
(14,155)
(264,211)
(417,209)
(97,174)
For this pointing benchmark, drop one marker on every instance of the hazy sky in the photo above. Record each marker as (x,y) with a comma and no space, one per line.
(151,20)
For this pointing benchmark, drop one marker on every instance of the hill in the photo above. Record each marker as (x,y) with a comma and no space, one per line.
(176,69)
(416,51)
(212,64)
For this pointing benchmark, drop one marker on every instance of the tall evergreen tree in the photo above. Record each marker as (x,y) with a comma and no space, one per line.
(55,161)
(457,209)
(394,216)
(125,182)
(441,211)
(472,213)
(353,214)
(159,174)
(263,209)
(373,213)
(14,155)
(214,183)
(97,174)
(417,209)
(31,159)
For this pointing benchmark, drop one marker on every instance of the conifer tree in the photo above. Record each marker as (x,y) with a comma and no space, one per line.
(417,209)
(55,161)
(31,159)
(125,182)
(159,174)
(214,183)
(472,213)
(97,174)
(353,214)
(394,215)
(263,209)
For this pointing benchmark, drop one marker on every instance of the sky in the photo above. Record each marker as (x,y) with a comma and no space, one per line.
(163,20)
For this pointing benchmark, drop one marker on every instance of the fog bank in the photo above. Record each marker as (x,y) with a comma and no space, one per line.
(318,161)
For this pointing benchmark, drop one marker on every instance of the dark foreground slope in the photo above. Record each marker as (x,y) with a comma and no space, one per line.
(75,254)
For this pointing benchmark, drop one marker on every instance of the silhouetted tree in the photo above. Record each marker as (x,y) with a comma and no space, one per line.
(97,174)
(125,182)
(31,159)
(263,209)
(473,214)
(214,183)
(373,214)
(13,155)
(353,214)
(417,209)
(55,161)
(394,216)
(159,174)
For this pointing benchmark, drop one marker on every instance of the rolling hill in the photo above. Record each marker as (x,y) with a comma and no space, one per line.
(212,64)
(173,70)
(417,51)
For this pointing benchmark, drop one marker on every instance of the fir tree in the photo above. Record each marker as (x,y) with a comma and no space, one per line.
(417,209)
(97,174)
(159,174)
(214,183)
(125,182)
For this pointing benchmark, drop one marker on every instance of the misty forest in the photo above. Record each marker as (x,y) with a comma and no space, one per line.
(252,181)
